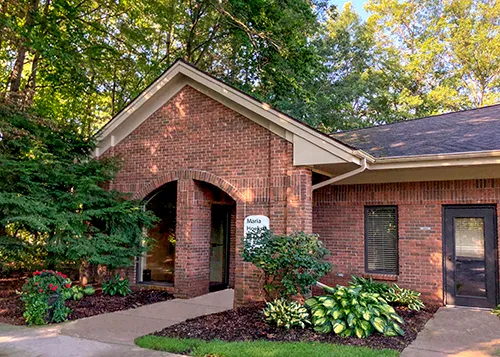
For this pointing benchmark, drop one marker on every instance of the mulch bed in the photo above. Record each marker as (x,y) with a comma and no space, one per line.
(11,306)
(246,324)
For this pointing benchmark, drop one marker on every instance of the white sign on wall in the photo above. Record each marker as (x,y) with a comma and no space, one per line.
(256,222)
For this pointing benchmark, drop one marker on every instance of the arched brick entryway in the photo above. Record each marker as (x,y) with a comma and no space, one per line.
(197,175)
(200,197)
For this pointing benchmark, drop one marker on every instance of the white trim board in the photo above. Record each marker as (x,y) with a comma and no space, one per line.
(310,146)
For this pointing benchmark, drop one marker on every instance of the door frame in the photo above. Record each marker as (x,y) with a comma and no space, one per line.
(472,208)
(227,242)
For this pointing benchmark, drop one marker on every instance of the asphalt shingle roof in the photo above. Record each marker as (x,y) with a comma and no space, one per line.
(464,131)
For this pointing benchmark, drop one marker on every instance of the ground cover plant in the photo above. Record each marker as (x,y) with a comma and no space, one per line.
(286,314)
(247,324)
(201,348)
(393,294)
(117,285)
(12,307)
(349,311)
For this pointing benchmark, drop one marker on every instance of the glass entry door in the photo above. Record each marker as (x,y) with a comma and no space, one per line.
(219,247)
(470,256)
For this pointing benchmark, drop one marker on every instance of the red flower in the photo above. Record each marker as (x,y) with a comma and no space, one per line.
(36,273)
(68,285)
(36,283)
(41,290)
(50,285)
(54,288)
(64,276)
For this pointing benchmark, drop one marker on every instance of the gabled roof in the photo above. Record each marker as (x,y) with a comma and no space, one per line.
(472,130)
(311,147)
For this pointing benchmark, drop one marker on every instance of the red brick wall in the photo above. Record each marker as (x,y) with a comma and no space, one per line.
(338,214)
(193,137)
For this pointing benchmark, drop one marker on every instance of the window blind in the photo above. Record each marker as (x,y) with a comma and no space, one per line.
(381,240)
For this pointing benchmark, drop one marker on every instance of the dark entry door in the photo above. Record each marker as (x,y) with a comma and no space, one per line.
(470,255)
(219,247)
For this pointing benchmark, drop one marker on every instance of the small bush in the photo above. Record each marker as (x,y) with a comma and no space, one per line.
(286,314)
(44,295)
(116,285)
(404,297)
(348,311)
(77,292)
(392,294)
(291,263)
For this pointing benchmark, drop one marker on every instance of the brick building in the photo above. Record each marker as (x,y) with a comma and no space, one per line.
(413,202)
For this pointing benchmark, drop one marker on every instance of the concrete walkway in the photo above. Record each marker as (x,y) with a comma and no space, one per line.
(460,332)
(108,334)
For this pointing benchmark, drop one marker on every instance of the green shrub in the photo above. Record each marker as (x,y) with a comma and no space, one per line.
(44,295)
(349,311)
(404,297)
(496,311)
(291,263)
(286,314)
(77,292)
(116,285)
(392,294)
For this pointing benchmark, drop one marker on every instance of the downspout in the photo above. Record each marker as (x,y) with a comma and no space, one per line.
(341,177)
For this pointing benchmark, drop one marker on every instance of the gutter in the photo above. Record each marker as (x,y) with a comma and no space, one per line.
(342,177)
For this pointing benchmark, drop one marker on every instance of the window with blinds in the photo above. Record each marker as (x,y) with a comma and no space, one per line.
(381,239)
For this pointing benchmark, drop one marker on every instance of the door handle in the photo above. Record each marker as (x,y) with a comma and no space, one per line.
(449,258)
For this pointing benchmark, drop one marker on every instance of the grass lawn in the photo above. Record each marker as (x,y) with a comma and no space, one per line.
(199,348)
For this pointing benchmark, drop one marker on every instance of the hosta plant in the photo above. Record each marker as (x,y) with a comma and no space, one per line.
(392,294)
(77,292)
(369,286)
(349,311)
(116,285)
(404,297)
(286,314)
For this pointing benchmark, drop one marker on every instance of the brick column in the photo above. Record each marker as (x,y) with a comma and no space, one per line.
(192,249)
(299,201)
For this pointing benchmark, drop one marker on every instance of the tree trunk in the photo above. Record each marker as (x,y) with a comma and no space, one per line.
(17,72)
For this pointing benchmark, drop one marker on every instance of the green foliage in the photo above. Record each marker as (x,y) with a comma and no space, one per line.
(286,314)
(54,206)
(392,294)
(201,348)
(496,311)
(348,311)
(291,263)
(82,63)
(116,285)
(77,292)
(369,286)
(404,297)
(44,295)
(36,309)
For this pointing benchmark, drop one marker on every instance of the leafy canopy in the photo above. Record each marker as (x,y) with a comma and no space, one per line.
(54,205)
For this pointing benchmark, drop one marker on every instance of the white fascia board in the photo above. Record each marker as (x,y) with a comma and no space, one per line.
(181,74)
(453,159)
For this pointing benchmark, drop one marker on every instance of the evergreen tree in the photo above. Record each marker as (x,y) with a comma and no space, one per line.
(54,205)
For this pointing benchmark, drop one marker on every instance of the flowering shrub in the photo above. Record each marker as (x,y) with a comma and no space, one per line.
(44,295)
